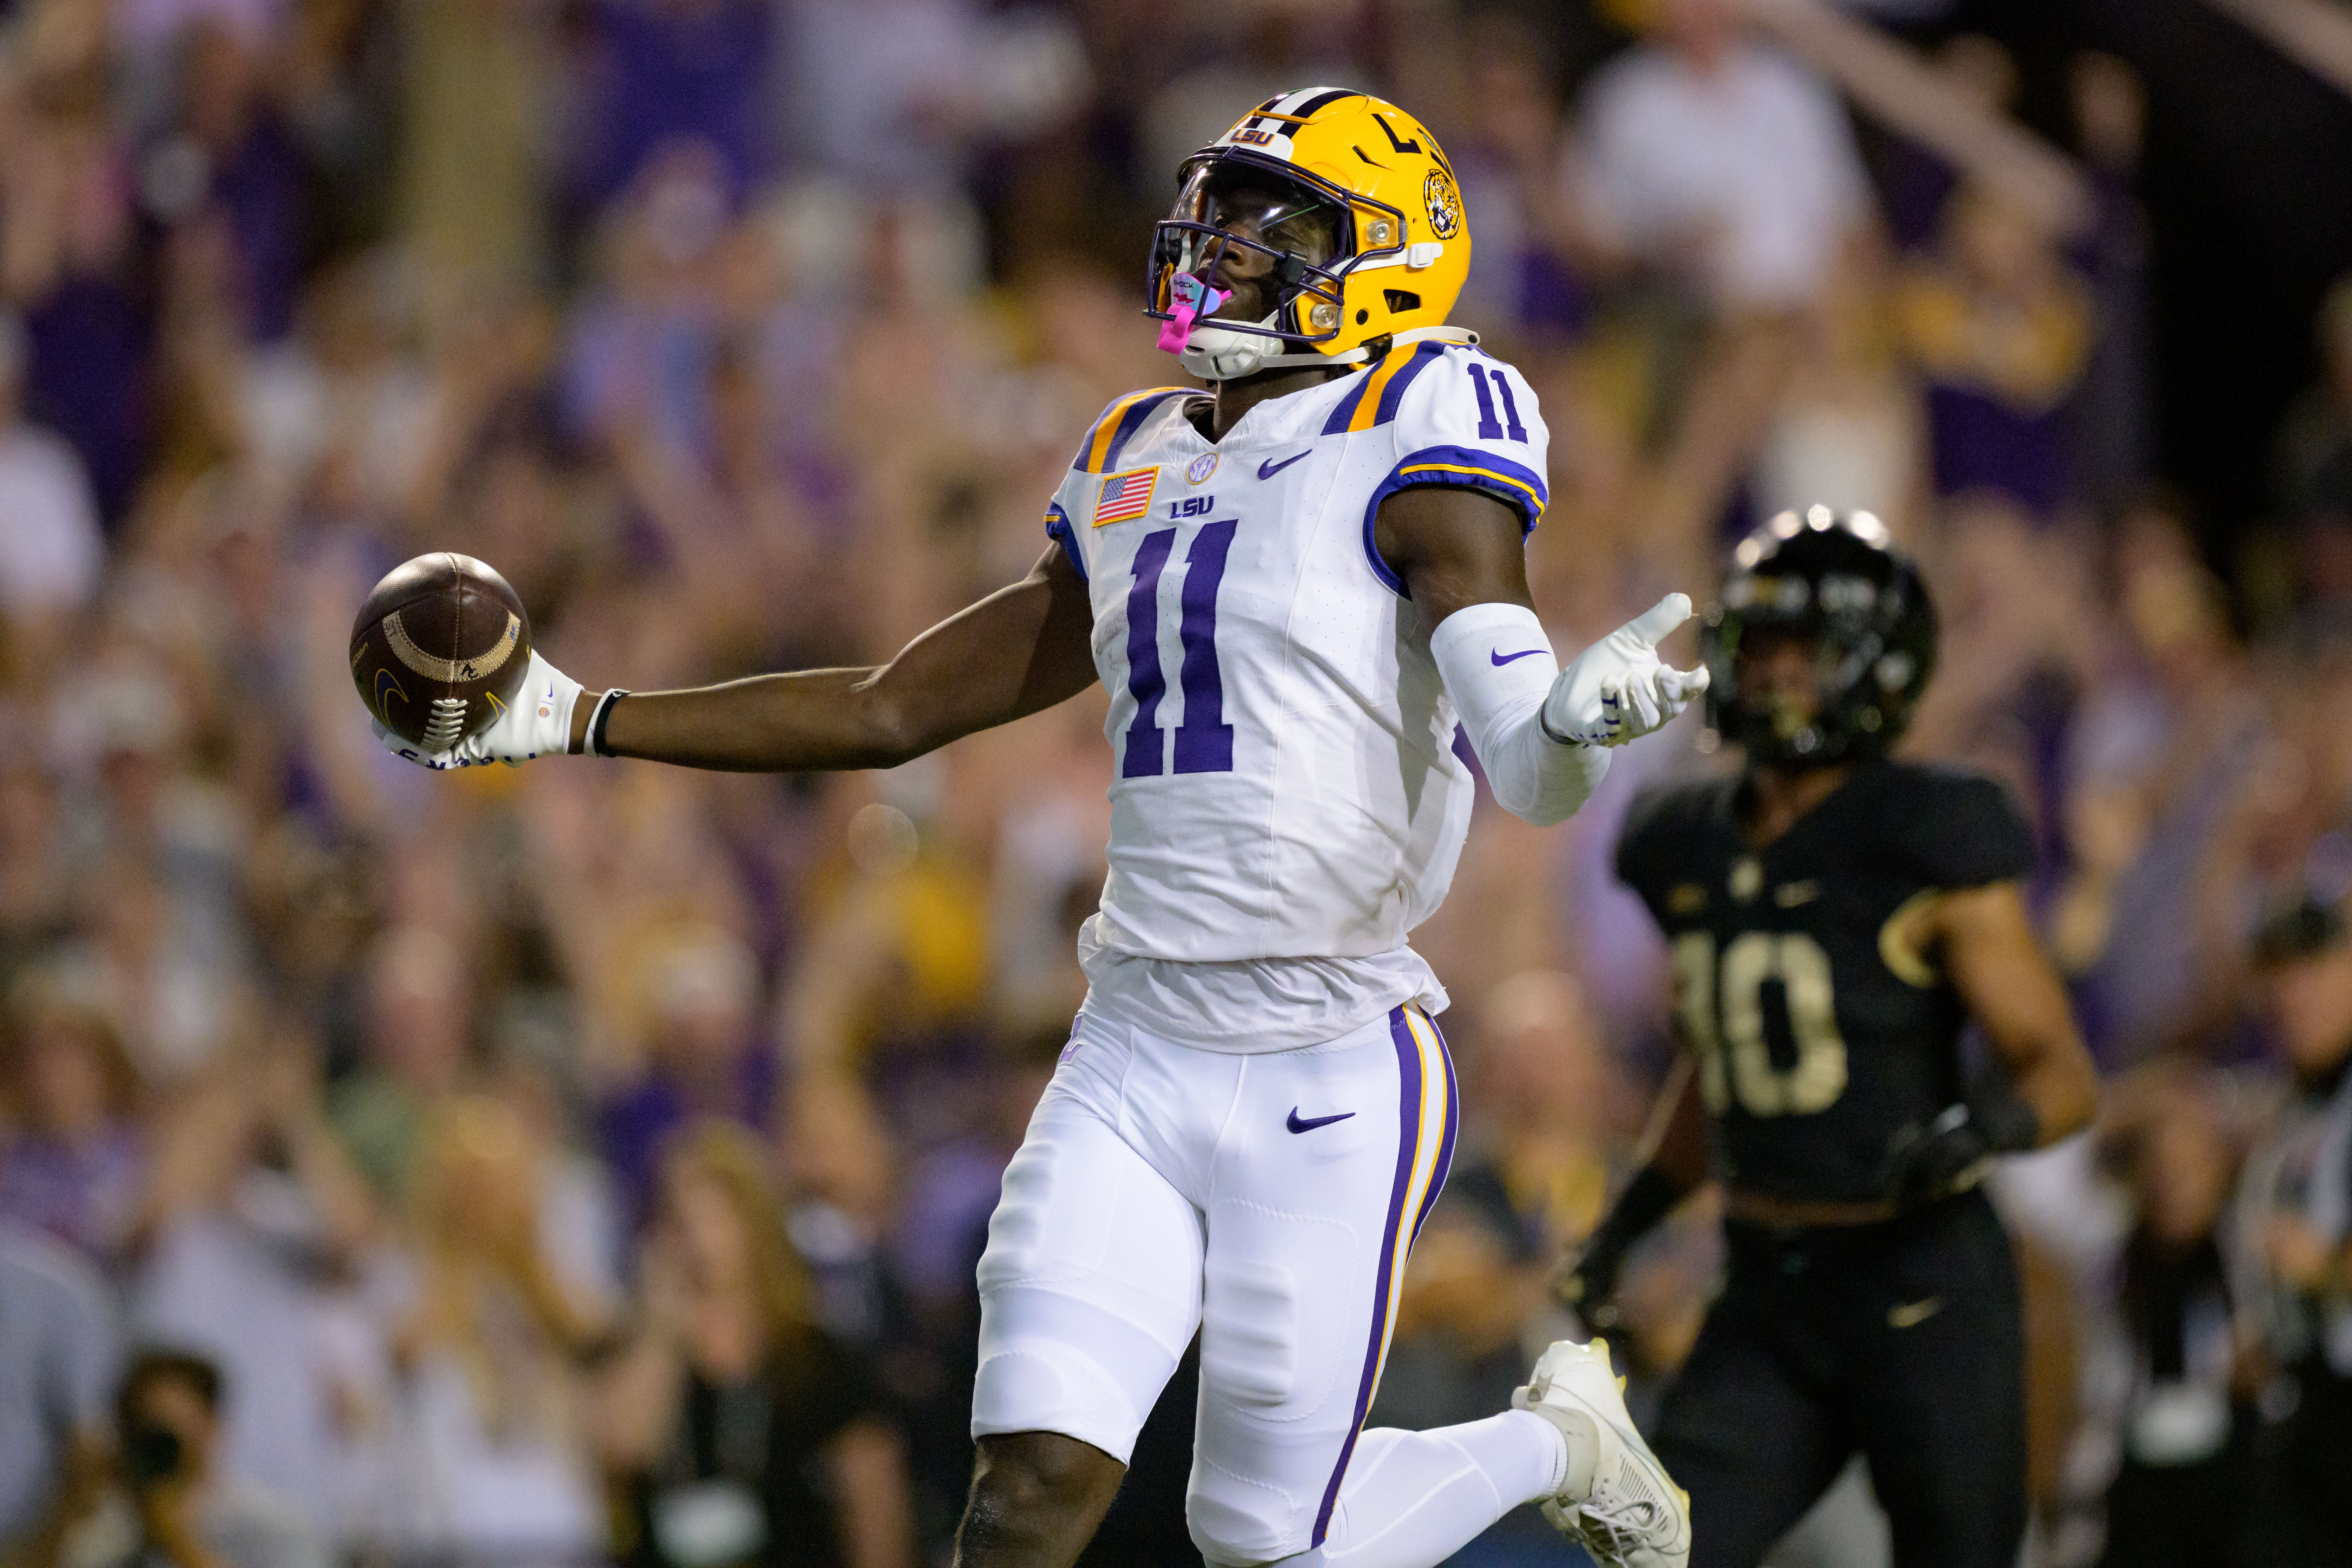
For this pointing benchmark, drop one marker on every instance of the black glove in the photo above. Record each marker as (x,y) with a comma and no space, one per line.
(1587,1281)
(1951,1153)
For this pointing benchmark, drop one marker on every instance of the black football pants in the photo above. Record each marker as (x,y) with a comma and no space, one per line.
(1903,1341)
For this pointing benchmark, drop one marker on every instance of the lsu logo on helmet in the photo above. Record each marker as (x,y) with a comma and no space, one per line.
(1445,203)
(1324,222)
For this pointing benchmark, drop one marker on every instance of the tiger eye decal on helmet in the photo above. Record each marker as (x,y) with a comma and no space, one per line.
(1300,212)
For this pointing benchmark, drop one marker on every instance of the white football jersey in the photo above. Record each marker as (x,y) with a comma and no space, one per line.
(1286,786)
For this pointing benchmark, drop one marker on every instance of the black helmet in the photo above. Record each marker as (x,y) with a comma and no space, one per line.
(1841,580)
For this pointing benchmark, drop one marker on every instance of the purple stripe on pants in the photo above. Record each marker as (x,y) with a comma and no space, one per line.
(1453,1125)
(1409,1092)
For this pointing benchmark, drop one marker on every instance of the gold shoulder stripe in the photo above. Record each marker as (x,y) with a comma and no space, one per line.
(1106,429)
(1368,406)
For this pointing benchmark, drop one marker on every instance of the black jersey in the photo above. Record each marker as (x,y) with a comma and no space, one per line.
(1818,1035)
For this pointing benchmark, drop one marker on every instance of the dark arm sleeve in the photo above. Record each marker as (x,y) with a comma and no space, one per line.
(1962,830)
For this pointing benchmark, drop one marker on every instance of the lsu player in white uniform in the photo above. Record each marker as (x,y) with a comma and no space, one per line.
(1294,585)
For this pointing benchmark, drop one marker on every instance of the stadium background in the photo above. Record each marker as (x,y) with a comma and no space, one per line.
(747,334)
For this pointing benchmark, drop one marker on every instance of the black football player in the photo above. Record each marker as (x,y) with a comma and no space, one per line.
(1837,918)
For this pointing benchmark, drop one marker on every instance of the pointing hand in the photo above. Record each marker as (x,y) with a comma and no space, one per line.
(1619,690)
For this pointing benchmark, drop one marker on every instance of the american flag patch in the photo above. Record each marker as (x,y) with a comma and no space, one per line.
(1125,496)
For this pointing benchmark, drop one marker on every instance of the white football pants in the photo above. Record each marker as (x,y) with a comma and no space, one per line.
(1267,1202)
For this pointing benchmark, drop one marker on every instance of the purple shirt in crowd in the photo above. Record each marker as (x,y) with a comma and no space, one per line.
(634,1127)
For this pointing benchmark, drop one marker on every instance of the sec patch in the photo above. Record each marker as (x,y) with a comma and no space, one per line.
(1125,496)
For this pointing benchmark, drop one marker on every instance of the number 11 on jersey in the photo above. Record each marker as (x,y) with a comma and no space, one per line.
(1204,741)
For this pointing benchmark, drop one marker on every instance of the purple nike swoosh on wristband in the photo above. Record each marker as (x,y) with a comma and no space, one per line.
(1501,658)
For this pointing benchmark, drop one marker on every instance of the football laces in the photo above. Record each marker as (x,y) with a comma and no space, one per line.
(1615,1527)
(448,723)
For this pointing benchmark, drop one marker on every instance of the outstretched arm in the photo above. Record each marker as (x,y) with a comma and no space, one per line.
(1020,650)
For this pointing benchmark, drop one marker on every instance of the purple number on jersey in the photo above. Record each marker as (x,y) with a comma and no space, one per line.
(1204,741)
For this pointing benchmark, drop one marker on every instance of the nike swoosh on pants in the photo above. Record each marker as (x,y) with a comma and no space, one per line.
(1312,1122)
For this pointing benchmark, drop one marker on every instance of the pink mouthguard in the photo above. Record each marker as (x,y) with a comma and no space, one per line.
(1191,299)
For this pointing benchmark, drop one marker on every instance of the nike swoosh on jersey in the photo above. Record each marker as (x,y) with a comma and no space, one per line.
(1501,658)
(1268,468)
(1911,1314)
(1312,1122)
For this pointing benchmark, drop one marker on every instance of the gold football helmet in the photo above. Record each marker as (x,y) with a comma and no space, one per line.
(1329,224)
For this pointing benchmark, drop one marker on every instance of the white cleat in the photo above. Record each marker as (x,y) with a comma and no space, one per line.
(1618,1502)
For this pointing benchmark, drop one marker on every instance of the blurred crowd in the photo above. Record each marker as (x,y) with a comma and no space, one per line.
(588,1163)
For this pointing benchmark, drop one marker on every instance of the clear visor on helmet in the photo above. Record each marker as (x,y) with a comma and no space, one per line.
(1239,226)
(1259,206)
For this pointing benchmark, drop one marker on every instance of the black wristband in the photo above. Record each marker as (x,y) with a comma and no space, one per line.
(593,744)
(2007,1126)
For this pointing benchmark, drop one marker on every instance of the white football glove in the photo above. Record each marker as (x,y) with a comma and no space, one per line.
(1619,690)
(538,724)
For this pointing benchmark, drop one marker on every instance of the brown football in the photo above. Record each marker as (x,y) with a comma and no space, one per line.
(440,649)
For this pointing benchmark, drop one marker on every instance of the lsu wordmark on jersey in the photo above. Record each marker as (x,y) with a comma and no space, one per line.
(1287,784)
